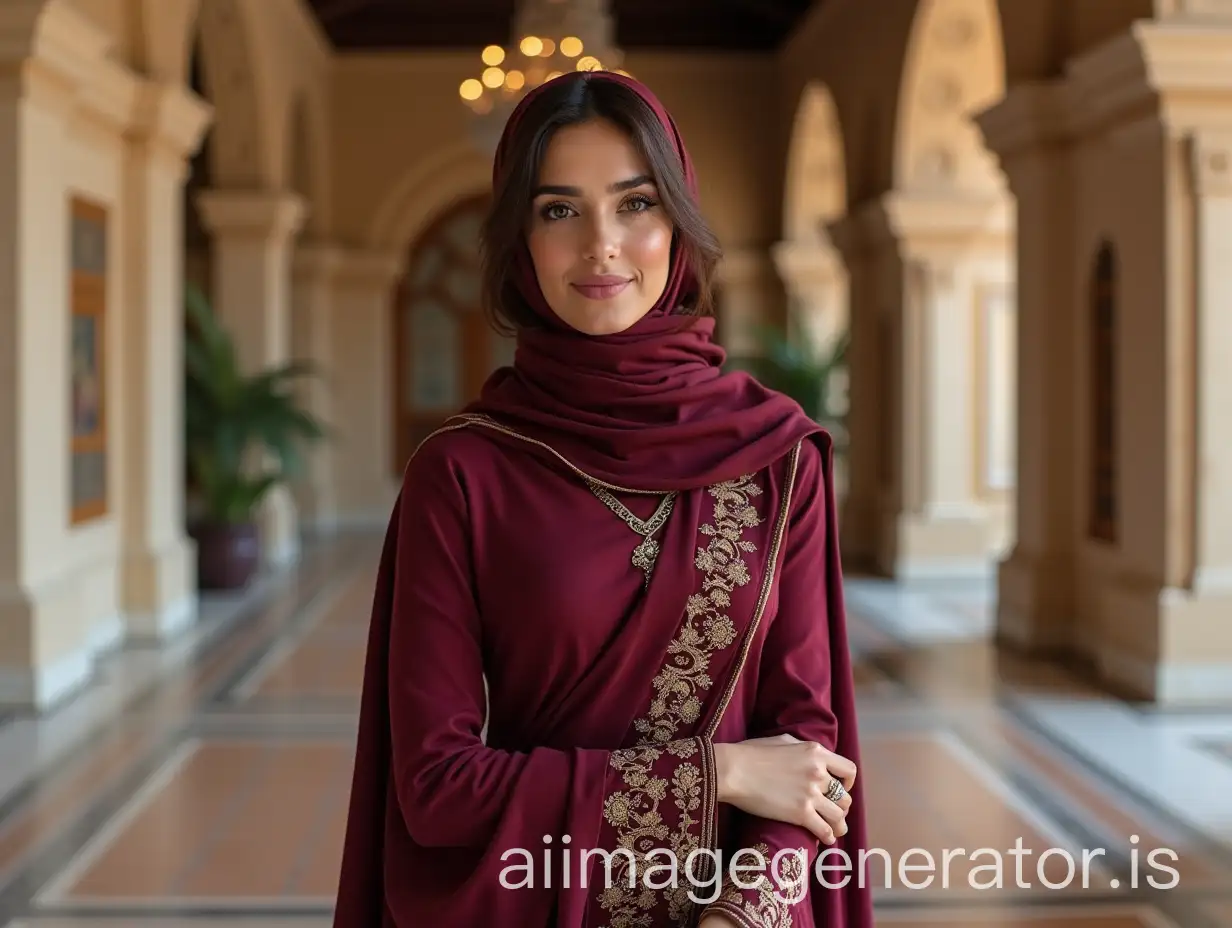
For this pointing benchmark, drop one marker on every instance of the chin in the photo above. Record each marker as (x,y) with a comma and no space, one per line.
(597,319)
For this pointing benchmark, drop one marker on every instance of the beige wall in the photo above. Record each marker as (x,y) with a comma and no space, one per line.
(886,175)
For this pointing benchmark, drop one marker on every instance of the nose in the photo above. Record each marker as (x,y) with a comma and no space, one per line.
(602,239)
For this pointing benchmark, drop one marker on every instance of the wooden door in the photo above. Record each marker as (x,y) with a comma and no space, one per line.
(444,348)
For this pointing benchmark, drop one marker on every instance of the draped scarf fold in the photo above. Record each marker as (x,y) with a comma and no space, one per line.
(649,408)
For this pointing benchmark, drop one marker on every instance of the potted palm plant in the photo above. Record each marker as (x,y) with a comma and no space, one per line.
(791,362)
(244,435)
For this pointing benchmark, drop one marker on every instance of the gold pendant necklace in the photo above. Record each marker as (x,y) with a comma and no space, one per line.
(645,554)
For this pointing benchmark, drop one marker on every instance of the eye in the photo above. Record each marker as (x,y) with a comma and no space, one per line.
(555,211)
(639,203)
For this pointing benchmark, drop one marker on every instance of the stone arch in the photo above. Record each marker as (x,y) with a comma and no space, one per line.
(428,188)
(158,36)
(954,68)
(234,83)
(305,149)
(815,191)
(814,197)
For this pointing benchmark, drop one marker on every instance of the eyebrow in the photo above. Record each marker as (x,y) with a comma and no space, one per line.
(617,187)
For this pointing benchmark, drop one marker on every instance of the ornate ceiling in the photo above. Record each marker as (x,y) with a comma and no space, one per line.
(467,24)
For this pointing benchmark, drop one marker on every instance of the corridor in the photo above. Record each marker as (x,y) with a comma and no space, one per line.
(216,795)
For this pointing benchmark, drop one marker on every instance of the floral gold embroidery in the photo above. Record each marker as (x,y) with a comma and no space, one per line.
(631,891)
(636,812)
(707,628)
(771,905)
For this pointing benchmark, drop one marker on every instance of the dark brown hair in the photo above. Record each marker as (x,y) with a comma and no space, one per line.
(570,101)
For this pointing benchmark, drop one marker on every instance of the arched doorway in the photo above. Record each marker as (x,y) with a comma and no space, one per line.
(444,348)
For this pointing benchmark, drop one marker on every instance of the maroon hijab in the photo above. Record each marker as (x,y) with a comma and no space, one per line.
(648,408)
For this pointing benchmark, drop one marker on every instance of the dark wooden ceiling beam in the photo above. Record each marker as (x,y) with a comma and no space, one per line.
(331,11)
(466,24)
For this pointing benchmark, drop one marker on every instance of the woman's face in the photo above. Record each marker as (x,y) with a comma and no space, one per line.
(600,240)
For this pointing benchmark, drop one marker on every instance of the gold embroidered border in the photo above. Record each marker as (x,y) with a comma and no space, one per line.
(630,890)
(706,629)
(772,906)
(768,578)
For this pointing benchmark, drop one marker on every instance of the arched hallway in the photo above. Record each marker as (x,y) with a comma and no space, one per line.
(1002,222)
(217,797)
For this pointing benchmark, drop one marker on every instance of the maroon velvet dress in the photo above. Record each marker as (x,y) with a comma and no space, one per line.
(508,598)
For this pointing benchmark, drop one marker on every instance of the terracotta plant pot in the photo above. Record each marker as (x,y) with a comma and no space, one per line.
(227,555)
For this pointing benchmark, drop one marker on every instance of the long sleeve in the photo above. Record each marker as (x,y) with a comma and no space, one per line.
(794,697)
(506,808)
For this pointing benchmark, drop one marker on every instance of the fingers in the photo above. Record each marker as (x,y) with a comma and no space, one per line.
(833,814)
(813,821)
(843,769)
(827,764)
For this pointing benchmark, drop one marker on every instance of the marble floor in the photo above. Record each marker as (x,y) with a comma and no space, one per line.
(206,786)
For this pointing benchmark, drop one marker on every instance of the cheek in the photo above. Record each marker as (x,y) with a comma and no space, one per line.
(551,252)
(651,247)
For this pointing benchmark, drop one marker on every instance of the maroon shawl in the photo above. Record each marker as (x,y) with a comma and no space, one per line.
(433,806)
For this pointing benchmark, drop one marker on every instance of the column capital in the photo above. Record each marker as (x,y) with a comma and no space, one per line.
(745,264)
(170,118)
(1031,116)
(251,214)
(807,263)
(368,268)
(1175,72)
(1197,11)
(317,261)
(59,57)
(925,227)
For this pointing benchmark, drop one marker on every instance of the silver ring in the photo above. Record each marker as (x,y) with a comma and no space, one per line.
(836,791)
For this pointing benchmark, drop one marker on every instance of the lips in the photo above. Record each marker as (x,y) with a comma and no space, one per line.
(602,287)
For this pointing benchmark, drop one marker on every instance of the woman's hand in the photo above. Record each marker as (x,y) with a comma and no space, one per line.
(785,779)
(716,921)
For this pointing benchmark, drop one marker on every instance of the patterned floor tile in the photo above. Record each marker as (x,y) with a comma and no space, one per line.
(247,814)
(1095,916)
(242,822)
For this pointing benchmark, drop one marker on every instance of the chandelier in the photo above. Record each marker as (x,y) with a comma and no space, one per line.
(550,37)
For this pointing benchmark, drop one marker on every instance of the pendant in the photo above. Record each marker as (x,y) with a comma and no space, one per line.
(644,557)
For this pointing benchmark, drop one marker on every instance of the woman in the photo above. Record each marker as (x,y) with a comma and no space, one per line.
(621,566)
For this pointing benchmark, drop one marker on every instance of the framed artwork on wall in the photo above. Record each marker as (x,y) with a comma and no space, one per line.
(87,361)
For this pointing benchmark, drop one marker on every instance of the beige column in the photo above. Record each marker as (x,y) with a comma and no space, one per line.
(1146,112)
(1035,583)
(749,290)
(158,581)
(366,477)
(314,268)
(252,238)
(927,272)
(66,107)
(816,281)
